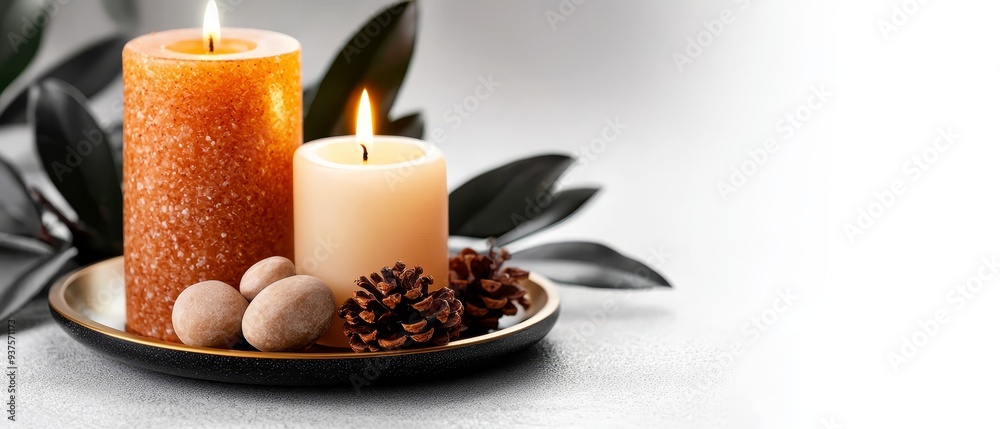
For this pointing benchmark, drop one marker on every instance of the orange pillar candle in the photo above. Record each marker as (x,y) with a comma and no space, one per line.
(210,130)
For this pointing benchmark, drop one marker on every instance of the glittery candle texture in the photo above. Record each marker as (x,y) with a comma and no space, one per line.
(209,142)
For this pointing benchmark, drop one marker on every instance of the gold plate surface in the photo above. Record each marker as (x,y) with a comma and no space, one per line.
(93,297)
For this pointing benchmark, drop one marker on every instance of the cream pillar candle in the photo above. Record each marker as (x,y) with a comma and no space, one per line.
(353,216)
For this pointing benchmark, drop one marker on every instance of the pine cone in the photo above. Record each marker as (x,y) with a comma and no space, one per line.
(394,311)
(486,291)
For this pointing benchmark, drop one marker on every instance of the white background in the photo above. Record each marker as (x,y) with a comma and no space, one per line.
(826,357)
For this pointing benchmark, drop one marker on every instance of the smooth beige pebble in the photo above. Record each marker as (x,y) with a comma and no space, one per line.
(289,314)
(209,314)
(263,274)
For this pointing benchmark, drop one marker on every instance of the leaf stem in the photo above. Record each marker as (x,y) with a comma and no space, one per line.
(75,228)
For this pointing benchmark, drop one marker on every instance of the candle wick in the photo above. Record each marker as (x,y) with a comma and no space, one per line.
(211,44)
(365,156)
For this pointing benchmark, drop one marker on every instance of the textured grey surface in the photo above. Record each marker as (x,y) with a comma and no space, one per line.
(583,374)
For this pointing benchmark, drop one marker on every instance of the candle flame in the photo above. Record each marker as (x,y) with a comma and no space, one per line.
(211,30)
(364,130)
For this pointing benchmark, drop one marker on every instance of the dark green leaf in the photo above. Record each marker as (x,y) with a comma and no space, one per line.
(377,58)
(77,156)
(116,141)
(125,13)
(588,264)
(90,71)
(19,213)
(308,94)
(411,125)
(493,203)
(563,205)
(27,268)
(22,34)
